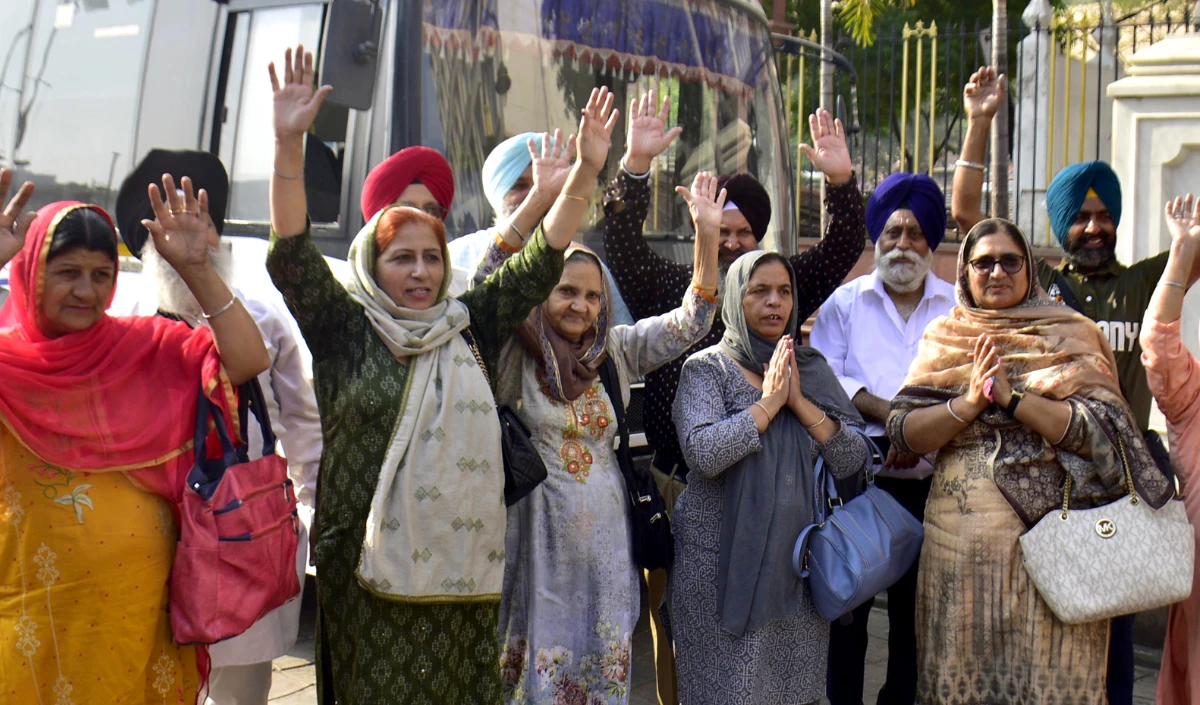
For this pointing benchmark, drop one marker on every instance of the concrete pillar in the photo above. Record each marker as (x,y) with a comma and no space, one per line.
(1156,152)
(1033,89)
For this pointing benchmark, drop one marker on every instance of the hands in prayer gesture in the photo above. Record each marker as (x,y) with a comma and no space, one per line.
(296,103)
(989,381)
(984,93)
(1183,219)
(181,226)
(14,220)
(552,164)
(779,378)
(829,152)
(647,135)
(705,204)
(596,128)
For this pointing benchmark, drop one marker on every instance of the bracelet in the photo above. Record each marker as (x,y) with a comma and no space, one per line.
(700,287)
(568,196)
(513,227)
(209,316)
(285,176)
(970,165)
(823,417)
(1177,285)
(956,416)
(765,411)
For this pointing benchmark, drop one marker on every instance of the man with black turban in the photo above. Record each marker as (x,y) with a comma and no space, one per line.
(1084,205)
(869,331)
(653,285)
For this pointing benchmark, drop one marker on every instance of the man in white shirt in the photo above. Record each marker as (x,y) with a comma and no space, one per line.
(241,666)
(521,196)
(869,330)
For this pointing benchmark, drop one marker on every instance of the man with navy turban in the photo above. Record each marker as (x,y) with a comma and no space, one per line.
(869,330)
(520,197)
(1084,205)
(654,285)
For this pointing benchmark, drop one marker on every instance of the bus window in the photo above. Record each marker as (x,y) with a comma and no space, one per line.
(491,70)
(70,80)
(244,136)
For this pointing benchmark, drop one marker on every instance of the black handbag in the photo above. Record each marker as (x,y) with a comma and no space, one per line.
(650,531)
(523,466)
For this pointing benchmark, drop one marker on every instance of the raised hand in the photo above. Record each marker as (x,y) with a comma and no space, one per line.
(1183,219)
(296,103)
(829,152)
(705,204)
(551,165)
(181,225)
(647,135)
(984,93)
(14,220)
(596,128)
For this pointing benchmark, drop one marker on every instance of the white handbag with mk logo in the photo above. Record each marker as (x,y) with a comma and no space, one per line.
(1122,558)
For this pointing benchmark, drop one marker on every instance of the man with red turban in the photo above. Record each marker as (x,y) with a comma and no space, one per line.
(417,176)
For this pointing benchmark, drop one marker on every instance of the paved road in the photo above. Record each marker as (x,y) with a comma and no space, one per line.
(295,676)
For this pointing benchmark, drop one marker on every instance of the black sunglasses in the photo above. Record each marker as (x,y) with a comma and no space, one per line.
(1009,263)
(433,209)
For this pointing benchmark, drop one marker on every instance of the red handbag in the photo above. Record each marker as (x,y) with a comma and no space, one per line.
(236,557)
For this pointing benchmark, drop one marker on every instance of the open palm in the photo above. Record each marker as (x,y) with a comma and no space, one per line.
(829,152)
(180,225)
(296,103)
(14,221)
(552,165)
(596,128)
(705,203)
(648,134)
(1183,218)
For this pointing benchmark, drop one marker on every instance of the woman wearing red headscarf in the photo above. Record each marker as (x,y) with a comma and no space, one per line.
(87,401)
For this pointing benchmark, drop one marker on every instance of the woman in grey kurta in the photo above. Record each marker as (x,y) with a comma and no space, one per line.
(401,375)
(570,598)
(746,631)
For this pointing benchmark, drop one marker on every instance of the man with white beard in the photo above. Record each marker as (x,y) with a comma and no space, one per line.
(520,192)
(869,330)
(241,666)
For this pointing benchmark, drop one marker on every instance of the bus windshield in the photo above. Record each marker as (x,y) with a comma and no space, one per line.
(490,70)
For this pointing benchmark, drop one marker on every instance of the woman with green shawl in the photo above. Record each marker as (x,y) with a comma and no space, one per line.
(410,516)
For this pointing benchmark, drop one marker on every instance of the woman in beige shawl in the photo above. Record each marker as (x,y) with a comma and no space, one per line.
(1015,394)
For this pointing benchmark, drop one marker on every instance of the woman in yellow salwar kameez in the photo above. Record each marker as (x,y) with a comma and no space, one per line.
(88,404)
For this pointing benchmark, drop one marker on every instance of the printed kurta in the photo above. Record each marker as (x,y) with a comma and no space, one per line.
(570,586)
(84,561)
(784,662)
(376,650)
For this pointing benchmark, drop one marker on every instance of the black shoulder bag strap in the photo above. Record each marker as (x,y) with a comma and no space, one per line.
(608,378)
(1065,292)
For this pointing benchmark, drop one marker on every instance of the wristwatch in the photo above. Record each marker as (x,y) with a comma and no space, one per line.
(1014,399)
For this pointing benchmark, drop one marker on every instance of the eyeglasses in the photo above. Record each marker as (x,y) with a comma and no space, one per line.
(1009,263)
(433,209)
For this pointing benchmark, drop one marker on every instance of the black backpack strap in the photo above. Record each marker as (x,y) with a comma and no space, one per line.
(1065,292)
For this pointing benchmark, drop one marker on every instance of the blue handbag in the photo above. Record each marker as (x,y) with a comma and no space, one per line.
(854,550)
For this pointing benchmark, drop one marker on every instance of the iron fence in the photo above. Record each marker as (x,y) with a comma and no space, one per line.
(901,99)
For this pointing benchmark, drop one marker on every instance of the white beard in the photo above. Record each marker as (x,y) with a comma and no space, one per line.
(174,296)
(904,272)
(506,211)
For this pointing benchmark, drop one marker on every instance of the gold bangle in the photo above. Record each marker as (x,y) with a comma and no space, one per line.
(700,287)
(566,195)
(765,411)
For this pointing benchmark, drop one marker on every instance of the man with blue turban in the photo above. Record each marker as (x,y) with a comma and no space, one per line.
(1084,205)
(869,330)
(520,196)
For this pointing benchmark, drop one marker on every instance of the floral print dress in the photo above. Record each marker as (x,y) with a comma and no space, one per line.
(570,598)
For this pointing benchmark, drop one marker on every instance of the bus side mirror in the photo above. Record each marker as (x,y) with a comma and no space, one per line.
(351,52)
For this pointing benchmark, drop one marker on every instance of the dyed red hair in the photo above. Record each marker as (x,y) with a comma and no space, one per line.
(396,218)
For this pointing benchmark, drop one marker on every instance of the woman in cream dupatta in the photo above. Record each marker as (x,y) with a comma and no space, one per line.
(984,634)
